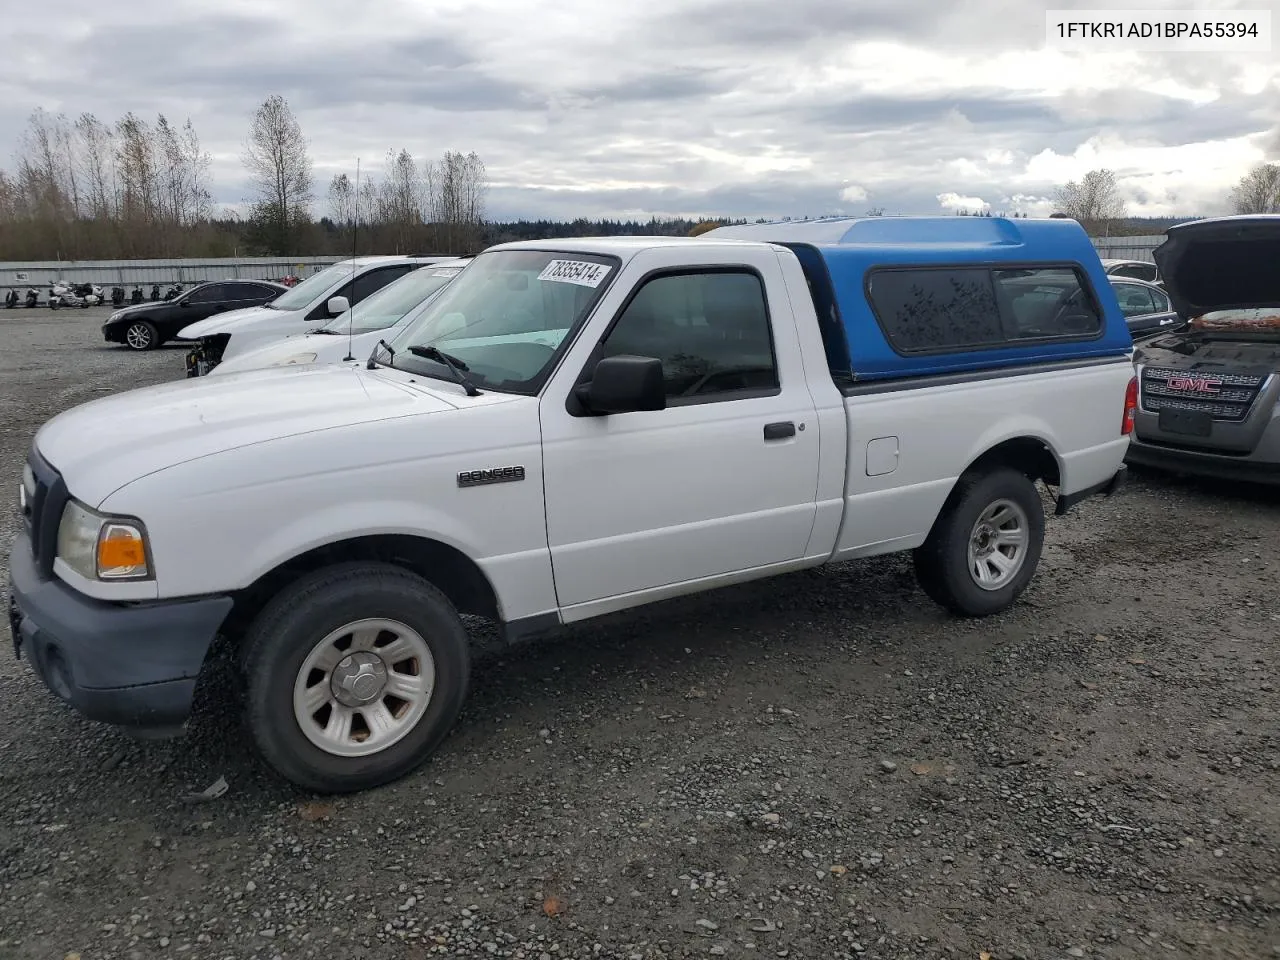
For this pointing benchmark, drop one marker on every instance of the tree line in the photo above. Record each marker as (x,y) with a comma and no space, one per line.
(90,189)
(85,188)
(1096,202)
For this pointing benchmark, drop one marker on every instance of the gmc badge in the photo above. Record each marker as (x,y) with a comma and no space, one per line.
(474,478)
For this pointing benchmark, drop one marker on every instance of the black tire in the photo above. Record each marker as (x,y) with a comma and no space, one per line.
(284,633)
(145,333)
(942,562)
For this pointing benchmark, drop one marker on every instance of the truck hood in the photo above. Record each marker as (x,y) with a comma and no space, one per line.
(1225,263)
(231,321)
(302,348)
(102,445)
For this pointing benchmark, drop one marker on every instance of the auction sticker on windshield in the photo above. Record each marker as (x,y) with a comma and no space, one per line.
(582,272)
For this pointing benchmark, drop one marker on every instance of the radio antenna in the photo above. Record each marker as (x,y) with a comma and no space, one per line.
(355,229)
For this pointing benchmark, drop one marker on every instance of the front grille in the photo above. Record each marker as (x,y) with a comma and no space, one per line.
(44,511)
(1224,396)
(206,354)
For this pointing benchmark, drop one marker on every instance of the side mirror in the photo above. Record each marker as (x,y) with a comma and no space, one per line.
(624,384)
(184,302)
(338,305)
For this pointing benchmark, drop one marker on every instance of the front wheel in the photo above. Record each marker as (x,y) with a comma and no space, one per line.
(355,674)
(141,335)
(985,546)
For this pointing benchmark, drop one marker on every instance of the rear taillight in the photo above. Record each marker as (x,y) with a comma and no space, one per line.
(1130,407)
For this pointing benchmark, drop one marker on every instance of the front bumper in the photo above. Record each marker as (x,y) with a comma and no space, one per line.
(134,665)
(1201,463)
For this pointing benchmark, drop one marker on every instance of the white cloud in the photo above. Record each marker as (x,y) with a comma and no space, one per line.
(954,201)
(854,194)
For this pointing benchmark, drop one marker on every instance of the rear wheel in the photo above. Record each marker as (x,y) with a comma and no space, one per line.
(985,546)
(141,335)
(355,673)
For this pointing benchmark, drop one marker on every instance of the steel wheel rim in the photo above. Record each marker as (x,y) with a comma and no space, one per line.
(364,687)
(998,544)
(138,336)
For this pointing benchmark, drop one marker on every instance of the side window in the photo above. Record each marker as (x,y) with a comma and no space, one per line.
(936,309)
(1063,309)
(372,282)
(940,309)
(1161,301)
(1134,300)
(209,293)
(237,292)
(710,329)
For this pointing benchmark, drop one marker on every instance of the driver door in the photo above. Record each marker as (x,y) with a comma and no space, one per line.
(721,481)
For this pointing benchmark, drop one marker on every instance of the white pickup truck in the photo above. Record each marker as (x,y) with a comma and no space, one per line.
(574,427)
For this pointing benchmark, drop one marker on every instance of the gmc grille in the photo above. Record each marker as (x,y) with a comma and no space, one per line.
(1224,396)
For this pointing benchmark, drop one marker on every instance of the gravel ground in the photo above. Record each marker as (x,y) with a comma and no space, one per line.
(820,766)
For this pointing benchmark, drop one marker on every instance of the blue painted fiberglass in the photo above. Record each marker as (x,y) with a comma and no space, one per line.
(847,249)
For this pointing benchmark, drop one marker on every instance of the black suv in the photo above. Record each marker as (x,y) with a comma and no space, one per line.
(147,325)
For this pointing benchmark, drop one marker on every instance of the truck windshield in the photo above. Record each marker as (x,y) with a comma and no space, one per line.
(505,317)
(382,309)
(310,288)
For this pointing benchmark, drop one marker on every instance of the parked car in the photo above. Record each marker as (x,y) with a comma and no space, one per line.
(355,333)
(575,427)
(148,325)
(1133,270)
(322,296)
(1146,307)
(1209,391)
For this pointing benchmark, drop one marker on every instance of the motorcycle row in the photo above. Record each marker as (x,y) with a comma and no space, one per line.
(86,295)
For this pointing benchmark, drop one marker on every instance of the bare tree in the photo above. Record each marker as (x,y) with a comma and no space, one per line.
(456,188)
(342,201)
(1258,190)
(1095,201)
(403,202)
(97,166)
(280,169)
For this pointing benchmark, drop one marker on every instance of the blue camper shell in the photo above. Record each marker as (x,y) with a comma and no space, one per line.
(842,256)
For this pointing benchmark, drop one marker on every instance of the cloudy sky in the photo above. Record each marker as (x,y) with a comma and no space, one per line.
(671,107)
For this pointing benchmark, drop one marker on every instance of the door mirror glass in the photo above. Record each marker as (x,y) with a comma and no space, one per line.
(623,384)
(338,305)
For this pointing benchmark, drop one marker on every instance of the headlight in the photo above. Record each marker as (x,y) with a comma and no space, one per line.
(296,358)
(102,548)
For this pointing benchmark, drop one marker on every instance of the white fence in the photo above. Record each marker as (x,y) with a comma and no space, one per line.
(128,273)
(1127,248)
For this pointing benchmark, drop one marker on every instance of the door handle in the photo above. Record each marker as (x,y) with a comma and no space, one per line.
(779,431)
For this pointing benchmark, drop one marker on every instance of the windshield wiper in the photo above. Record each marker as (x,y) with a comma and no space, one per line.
(330,333)
(456,366)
